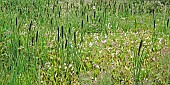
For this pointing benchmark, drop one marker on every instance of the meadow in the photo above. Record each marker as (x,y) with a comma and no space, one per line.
(84,42)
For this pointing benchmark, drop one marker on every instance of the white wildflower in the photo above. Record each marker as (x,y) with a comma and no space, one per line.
(104,41)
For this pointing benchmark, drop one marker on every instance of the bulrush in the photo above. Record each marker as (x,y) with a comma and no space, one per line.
(75,38)
(51,21)
(58,34)
(94,14)
(140,46)
(32,41)
(154,24)
(82,24)
(29,29)
(69,31)
(19,45)
(59,14)
(37,36)
(167,23)
(66,44)
(62,32)
(16,21)
(87,18)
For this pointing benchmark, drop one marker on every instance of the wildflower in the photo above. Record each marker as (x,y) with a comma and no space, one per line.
(59,66)
(100,51)
(94,7)
(160,40)
(47,64)
(117,52)
(70,65)
(97,66)
(104,41)
(65,67)
(90,44)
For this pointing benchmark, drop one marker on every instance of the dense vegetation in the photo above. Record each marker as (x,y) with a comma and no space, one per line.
(84,42)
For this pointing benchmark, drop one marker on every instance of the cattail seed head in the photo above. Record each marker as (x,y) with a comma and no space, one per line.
(94,14)
(66,44)
(62,32)
(167,23)
(32,41)
(30,26)
(82,24)
(140,46)
(58,34)
(154,24)
(75,38)
(37,36)
(59,14)
(16,21)
(87,18)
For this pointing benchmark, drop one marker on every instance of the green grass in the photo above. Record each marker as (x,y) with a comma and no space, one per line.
(99,43)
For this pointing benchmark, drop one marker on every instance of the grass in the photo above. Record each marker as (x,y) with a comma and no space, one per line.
(99,42)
